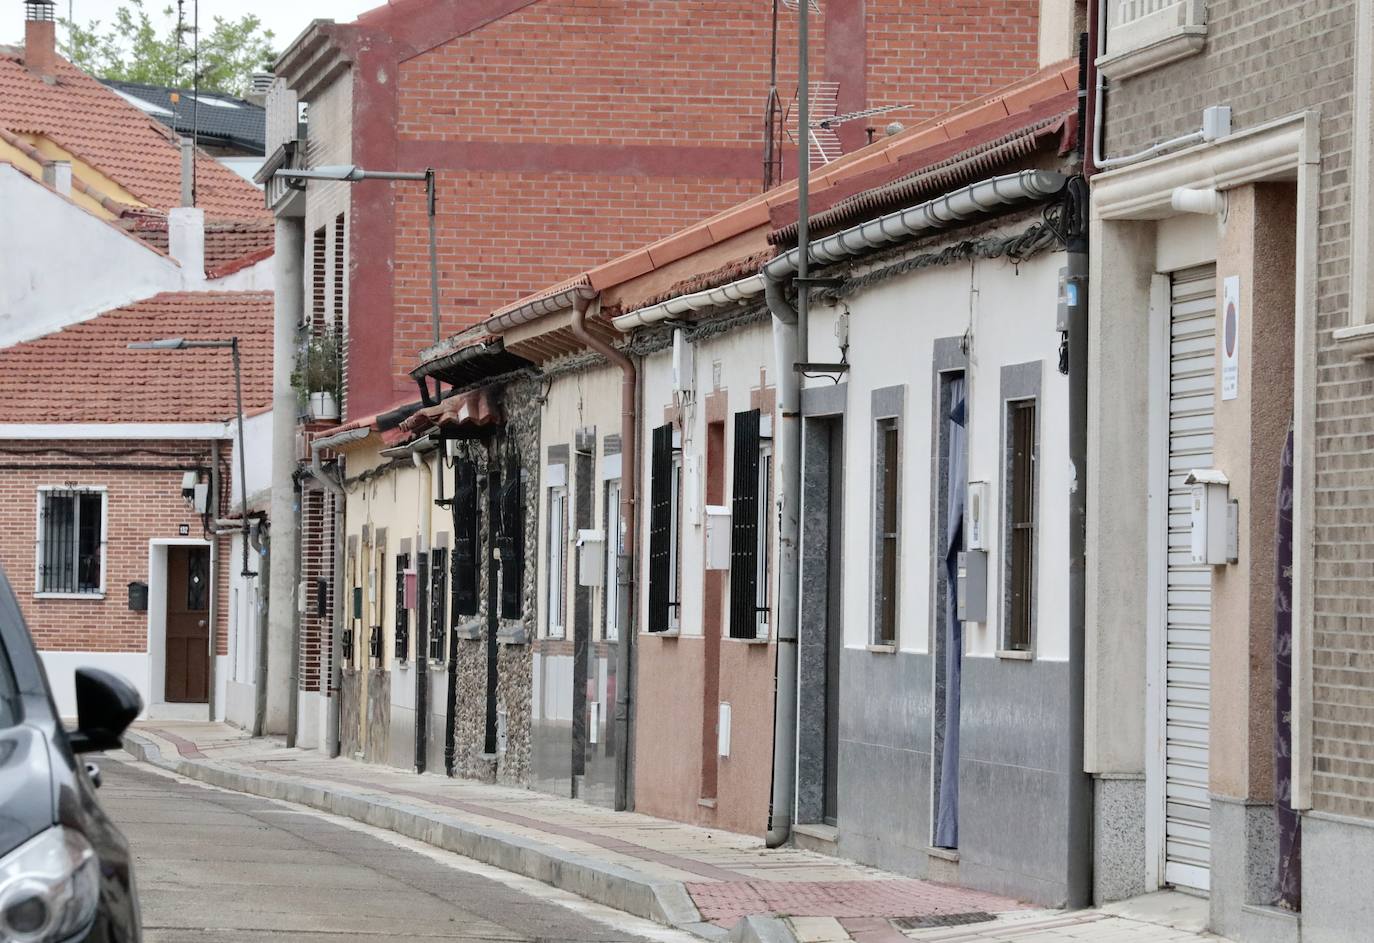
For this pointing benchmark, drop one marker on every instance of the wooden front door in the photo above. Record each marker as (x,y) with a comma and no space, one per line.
(188,624)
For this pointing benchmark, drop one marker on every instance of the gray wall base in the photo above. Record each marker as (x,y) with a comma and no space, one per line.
(884,768)
(1118,838)
(1244,858)
(1337,861)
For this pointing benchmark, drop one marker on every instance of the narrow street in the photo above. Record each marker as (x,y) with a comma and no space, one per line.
(220,866)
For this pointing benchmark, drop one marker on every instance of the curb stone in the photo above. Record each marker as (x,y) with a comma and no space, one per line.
(666,902)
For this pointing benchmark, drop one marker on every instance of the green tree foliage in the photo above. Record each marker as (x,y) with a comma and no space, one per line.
(135,48)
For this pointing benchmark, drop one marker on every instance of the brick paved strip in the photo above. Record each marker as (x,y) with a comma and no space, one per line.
(185,747)
(846,900)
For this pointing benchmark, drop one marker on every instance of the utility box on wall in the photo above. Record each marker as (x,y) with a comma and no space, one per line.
(1215,518)
(971,595)
(138,597)
(591,558)
(717,537)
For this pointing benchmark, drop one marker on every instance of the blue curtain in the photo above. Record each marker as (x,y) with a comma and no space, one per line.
(956,466)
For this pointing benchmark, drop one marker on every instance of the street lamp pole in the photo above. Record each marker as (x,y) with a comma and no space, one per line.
(350,173)
(180,343)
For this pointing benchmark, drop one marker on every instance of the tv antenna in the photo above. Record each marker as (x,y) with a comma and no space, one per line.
(825,142)
(774,115)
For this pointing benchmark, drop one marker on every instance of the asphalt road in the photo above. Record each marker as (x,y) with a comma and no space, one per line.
(216,866)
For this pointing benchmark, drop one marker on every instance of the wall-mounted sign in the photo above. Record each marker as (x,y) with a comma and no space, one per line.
(184,530)
(1230,338)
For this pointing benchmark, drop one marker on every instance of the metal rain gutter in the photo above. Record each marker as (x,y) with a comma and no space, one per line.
(539,308)
(736,292)
(975,200)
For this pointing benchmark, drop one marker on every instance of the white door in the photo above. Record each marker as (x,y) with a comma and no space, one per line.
(1187,682)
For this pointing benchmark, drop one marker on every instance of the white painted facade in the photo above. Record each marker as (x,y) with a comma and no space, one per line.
(100,267)
(738,362)
(1008,314)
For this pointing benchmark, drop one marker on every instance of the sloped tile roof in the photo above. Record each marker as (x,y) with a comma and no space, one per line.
(114,136)
(223,119)
(85,373)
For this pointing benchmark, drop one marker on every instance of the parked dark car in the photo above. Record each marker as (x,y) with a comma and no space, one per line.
(65,870)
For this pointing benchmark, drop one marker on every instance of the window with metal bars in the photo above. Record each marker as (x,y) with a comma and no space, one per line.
(466,566)
(749,547)
(557,563)
(887,504)
(512,542)
(402,613)
(438,588)
(664,481)
(319,275)
(1021,470)
(71,541)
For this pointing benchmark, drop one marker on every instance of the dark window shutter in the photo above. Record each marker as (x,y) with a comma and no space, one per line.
(744,528)
(513,543)
(465,563)
(402,613)
(660,528)
(438,587)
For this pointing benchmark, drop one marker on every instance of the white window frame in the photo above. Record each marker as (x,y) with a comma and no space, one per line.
(675,541)
(1360,331)
(611,623)
(762,557)
(555,616)
(43,491)
(1146,34)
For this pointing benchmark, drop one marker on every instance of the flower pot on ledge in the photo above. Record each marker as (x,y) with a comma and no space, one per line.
(323,406)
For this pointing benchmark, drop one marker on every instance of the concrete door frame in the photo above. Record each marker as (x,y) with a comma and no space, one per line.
(157,610)
(1126,205)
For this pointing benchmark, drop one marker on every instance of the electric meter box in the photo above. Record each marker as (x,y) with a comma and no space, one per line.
(717,537)
(1214,518)
(971,597)
(591,558)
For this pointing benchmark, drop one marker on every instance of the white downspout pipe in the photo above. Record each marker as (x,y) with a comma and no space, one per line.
(787,447)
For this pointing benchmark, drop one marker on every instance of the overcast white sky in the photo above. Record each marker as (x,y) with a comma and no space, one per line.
(285,18)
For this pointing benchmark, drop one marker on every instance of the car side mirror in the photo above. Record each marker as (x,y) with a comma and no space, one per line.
(106,705)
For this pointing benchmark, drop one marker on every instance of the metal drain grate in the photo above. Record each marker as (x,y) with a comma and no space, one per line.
(931,921)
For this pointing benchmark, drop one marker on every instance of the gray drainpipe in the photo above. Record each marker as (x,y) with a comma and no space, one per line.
(786,331)
(629,478)
(1080,785)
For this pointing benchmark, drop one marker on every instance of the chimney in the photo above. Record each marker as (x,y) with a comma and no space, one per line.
(40,36)
(58,175)
(186,243)
(188,172)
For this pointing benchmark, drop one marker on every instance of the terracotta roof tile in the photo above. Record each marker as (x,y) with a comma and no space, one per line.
(130,147)
(85,373)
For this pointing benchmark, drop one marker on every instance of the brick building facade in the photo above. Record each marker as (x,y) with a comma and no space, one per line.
(1259,787)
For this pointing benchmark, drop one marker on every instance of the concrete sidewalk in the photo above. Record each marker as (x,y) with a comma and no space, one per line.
(716,885)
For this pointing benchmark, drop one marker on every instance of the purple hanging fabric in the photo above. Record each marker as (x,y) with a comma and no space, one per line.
(1288,878)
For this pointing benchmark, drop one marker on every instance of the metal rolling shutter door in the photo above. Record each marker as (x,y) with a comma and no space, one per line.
(1192,370)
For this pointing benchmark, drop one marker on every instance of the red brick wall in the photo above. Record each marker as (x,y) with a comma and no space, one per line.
(567,132)
(143,503)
